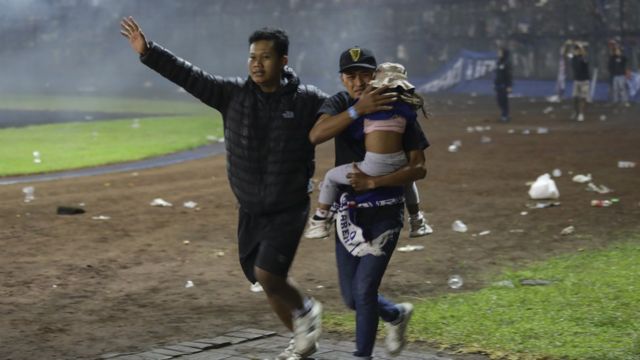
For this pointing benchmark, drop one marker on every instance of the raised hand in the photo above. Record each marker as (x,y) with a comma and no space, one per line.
(130,29)
(375,100)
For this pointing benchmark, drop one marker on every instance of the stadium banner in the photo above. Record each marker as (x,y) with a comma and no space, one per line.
(468,65)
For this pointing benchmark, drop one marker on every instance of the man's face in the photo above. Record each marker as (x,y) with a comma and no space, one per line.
(356,80)
(265,66)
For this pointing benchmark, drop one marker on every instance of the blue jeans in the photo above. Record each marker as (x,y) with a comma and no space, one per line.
(360,277)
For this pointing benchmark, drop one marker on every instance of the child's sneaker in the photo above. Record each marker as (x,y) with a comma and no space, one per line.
(318,228)
(419,226)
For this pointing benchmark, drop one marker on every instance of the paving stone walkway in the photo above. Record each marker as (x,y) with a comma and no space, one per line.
(254,344)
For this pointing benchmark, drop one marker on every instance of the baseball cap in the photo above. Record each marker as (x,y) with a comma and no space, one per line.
(357,57)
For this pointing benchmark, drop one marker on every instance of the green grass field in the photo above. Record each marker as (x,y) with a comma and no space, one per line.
(589,312)
(102,104)
(76,145)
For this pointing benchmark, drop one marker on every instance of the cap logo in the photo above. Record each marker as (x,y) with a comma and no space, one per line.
(355,54)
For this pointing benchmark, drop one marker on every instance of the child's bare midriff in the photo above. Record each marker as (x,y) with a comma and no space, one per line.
(383,142)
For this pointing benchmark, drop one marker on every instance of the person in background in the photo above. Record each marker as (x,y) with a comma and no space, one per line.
(580,66)
(618,73)
(503,83)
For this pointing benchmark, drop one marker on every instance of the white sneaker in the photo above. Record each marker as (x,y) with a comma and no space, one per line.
(580,117)
(396,339)
(289,352)
(419,226)
(318,229)
(307,329)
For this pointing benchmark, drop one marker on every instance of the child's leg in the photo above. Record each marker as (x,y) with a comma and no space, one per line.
(412,198)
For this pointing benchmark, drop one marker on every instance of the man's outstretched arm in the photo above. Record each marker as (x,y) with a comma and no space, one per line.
(211,90)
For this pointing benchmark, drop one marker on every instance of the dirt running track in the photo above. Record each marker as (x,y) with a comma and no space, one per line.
(74,287)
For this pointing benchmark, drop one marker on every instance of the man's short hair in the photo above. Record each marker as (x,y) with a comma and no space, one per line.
(278,36)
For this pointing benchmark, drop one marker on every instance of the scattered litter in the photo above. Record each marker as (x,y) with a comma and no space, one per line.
(256,287)
(212,138)
(455,281)
(457,143)
(511,131)
(535,282)
(599,189)
(409,248)
(568,230)
(547,110)
(452,148)
(487,128)
(556,173)
(543,205)
(36,157)
(485,139)
(603,117)
(526,132)
(135,124)
(485,232)
(190,204)
(479,128)
(504,283)
(134,174)
(552,98)
(524,213)
(29,193)
(219,253)
(54,286)
(459,226)
(160,202)
(319,287)
(544,188)
(580,178)
(186,242)
(69,210)
(221,140)
(101,217)
(469,129)
(542,130)
(601,203)
(189,284)
(516,230)
(626,164)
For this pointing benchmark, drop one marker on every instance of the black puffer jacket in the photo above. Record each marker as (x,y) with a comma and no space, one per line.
(269,156)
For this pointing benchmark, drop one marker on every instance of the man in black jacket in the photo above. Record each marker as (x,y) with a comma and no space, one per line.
(503,83)
(581,86)
(267,118)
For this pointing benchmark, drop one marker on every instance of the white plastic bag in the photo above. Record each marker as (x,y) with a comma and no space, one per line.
(544,188)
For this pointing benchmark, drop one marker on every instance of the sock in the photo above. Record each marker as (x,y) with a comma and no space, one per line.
(321,214)
(307,304)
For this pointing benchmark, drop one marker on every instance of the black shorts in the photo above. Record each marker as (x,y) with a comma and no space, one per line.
(270,241)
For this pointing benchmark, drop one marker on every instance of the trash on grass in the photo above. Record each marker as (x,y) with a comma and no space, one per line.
(459,226)
(504,283)
(556,173)
(485,140)
(455,281)
(36,157)
(189,284)
(101,217)
(626,164)
(580,178)
(547,110)
(543,205)
(599,189)
(485,232)
(69,210)
(29,193)
(409,248)
(190,204)
(544,188)
(568,230)
(160,202)
(601,203)
(542,130)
